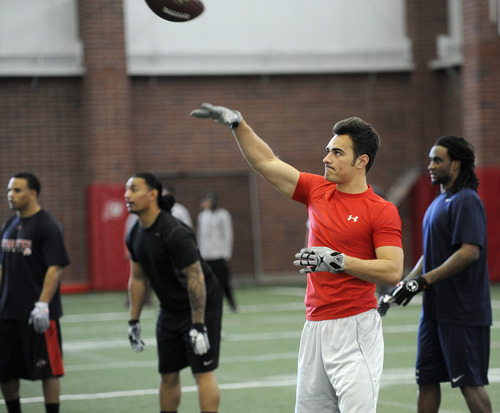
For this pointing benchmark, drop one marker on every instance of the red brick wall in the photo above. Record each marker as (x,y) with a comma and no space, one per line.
(481,78)
(40,131)
(106,122)
(105,126)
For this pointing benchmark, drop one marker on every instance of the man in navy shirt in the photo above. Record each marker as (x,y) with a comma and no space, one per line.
(454,331)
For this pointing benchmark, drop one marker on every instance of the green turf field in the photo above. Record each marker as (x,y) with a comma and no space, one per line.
(257,372)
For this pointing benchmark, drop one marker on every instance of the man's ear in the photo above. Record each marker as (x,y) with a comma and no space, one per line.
(456,165)
(33,194)
(362,161)
(153,194)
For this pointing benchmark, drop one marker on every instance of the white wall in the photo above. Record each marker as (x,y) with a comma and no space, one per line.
(271,36)
(40,37)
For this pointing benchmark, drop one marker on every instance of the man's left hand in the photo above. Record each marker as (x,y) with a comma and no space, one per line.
(384,303)
(317,259)
(406,290)
(40,317)
(198,336)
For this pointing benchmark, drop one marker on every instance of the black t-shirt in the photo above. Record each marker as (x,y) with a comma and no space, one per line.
(29,247)
(163,250)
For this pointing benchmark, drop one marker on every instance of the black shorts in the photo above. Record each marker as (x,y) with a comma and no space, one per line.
(458,354)
(174,348)
(25,354)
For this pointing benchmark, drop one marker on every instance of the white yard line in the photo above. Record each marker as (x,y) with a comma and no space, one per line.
(390,377)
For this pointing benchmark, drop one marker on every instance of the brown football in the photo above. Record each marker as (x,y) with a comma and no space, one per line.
(176,10)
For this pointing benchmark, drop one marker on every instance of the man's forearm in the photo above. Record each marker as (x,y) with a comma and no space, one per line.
(197,291)
(50,283)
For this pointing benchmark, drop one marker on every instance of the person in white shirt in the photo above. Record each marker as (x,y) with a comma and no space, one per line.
(215,240)
(179,211)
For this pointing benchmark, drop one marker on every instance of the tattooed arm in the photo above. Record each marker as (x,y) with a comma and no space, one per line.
(197,291)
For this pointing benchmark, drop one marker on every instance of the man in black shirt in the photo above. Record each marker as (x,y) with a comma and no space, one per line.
(33,256)
(163,252)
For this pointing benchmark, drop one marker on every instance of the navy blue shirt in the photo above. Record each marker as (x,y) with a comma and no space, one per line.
(464,298)
(163,250)
(29,247)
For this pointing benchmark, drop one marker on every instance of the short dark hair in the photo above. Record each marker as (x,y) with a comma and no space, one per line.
(165,202)
(461,150)
(33,182)
(365,139)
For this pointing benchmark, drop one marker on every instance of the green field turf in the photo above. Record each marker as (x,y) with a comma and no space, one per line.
(257,370)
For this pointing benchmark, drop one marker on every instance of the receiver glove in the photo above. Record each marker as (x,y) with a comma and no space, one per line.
(198,336)
(406,290)
(317,259)
(385,302)
(134,335)
(40,317)
(228,117)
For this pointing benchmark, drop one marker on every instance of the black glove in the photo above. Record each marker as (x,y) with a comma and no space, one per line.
(384,303)
(406,290)
(198,336)
(228,117)
(134,335)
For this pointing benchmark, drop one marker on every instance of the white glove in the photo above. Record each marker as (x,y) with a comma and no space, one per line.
(318,259)
(134,336)
(228,117)
(40,317)
(199,339)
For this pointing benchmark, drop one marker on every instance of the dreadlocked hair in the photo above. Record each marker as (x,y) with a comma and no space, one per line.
(461,150)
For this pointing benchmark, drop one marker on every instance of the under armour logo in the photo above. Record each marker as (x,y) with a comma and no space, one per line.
(355,219)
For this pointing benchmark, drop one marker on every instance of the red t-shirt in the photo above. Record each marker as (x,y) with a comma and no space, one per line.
(354,224)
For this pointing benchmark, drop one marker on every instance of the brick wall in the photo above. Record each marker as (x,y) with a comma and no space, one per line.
(105,126)
(481,79)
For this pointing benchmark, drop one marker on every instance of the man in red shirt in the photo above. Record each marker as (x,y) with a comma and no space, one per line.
(354,243)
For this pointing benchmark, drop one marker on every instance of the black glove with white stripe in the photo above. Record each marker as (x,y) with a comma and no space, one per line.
(406,290)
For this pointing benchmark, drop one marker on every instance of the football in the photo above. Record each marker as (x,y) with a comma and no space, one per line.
(176,10)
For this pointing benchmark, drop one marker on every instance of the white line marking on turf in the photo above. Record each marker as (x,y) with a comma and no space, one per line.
(149,314)
(74,346)
(117,316)
(79,345)
(390,377)
(153,363)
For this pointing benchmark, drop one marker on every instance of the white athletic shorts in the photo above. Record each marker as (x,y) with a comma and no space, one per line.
(340,364)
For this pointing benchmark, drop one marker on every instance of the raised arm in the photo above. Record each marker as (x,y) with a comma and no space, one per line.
(257,153)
